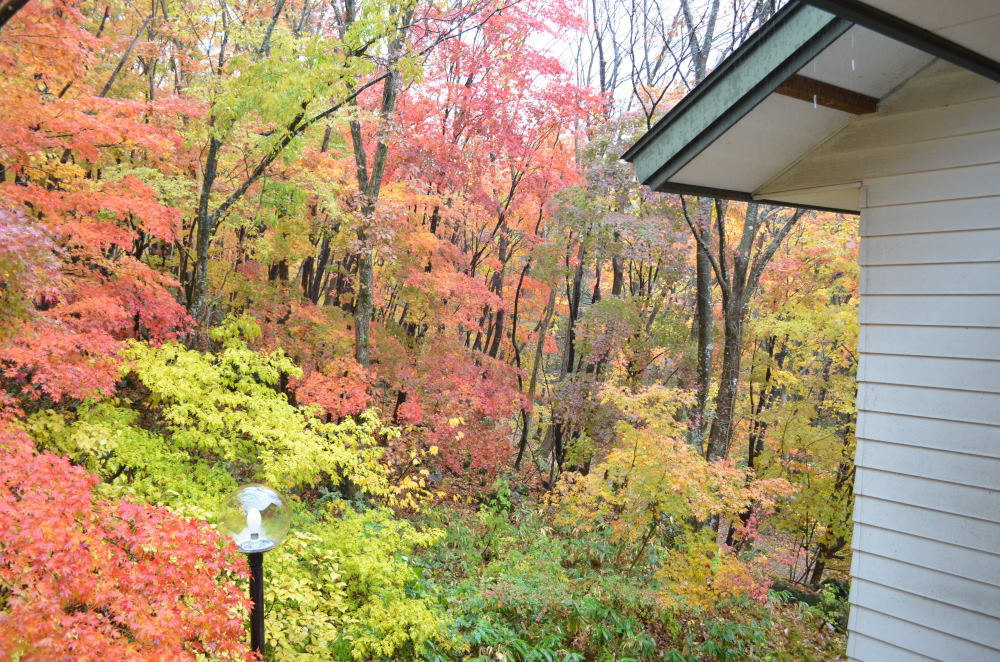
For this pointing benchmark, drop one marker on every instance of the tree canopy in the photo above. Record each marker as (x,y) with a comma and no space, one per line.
(382,255)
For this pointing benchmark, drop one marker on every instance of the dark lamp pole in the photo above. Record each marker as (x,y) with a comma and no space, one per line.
(256,560)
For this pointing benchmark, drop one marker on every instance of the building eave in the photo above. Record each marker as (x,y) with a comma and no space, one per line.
(743,196)
(667,159)
(902,31)
(763,63)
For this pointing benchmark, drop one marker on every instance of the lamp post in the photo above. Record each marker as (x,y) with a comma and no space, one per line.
(256,518)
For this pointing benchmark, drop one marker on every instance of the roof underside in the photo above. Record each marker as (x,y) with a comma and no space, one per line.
(801,79)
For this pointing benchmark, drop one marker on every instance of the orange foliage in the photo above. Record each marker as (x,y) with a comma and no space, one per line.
(90,579)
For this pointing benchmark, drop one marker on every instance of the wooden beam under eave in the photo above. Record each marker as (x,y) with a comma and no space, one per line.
(827,95)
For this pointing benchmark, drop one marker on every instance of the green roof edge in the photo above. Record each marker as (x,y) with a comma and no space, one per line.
(786,43)
(783,45)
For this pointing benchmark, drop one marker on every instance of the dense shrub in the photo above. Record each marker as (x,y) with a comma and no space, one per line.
(86,578)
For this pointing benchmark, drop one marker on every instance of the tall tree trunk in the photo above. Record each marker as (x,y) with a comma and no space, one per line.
(370,186)
(617,276)
(528,412)
(560,432)
(701,50)
(729,381)
(364,304)
(497,285)
(570,359)
(704,325)
(738,270)
(319,272)
(205,230)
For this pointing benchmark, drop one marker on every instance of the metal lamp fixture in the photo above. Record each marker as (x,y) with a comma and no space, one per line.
(256,518)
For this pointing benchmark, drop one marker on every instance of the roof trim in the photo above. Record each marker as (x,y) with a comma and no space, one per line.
(907,33)
(781,47)
(741,196)
(785,44)
(727,63)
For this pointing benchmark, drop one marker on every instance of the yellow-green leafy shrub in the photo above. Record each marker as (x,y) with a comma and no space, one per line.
(190,426)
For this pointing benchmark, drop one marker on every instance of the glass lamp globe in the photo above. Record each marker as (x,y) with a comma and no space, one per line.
(256,518)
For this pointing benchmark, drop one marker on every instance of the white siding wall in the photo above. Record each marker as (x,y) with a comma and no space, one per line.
(927,518)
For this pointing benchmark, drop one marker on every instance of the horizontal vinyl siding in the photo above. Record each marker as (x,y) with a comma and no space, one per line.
(934,464)
(958,530)
(931,310)
(959,184)
(926,564)
(863,647)
(925,612)
(932,372)
(951,405)
(975,565)
(933,494)
(958,342)
(963,436)
(962,278)
(909,636)
(933,247)
(907,216)
(919,580)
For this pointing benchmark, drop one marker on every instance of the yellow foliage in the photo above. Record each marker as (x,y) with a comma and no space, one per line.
(700,574)
(228,405)
(652,479)
(346,590)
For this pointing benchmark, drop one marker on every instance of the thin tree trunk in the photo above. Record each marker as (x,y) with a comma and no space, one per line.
(364,305)
(370,186)
(497,287)
(205,229)
(527,412)
(704,324)
(9,8)
(701,50)
(721,431)
(124,58)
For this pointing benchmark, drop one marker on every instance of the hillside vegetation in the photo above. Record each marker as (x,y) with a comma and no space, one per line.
(383,257)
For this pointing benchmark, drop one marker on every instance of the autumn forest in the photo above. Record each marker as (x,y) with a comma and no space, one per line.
(384,257)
